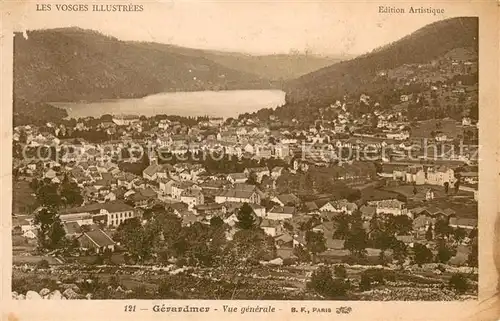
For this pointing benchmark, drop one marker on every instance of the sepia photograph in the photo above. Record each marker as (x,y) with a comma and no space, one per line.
(225,151)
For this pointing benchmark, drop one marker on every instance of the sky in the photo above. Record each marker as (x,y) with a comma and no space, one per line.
(257,27)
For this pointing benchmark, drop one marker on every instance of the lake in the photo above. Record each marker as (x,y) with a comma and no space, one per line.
(228,103)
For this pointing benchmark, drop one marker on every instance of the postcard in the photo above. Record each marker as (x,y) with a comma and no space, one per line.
(240,159)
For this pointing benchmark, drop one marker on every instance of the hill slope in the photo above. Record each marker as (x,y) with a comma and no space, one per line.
(356,76)
(272,67)
(72,64)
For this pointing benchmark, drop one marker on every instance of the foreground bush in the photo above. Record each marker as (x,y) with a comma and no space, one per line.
(325,285)
(459,283)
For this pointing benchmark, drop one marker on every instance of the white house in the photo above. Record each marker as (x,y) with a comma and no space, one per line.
(339,206)
(392,206)
(192,197)
(240,196)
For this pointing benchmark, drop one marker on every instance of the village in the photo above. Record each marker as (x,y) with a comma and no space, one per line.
(383,188)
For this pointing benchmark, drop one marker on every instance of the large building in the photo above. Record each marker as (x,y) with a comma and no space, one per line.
(111,214)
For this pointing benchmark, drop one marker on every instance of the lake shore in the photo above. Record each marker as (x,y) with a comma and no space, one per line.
(227,103)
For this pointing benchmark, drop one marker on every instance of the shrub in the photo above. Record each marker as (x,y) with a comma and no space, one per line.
(324,284)
(288,261)
(365,283)
(340,271)
(458,282)
(43,264)
(441,268)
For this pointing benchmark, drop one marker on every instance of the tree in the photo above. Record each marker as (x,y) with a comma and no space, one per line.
(315,243)
(458,282)
(342,222)
(246,219)
(340,271)
(457,186)
(323,283)
(357,240)
(70,193)
(252,178)
(51,234)
(301,253)
(140,241)
(422,254)
(253,244)
(472,259)
(442,229)
(459,234)
(216,222)
(429,233)
(446,187)
(47,194)
(400,251)
(399,224)
(444,253)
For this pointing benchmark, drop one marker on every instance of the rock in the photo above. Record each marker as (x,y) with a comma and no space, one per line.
(70,294)
(55,295)
(43,292)
(119,289)
(21,297)
(88,296)
(32,295)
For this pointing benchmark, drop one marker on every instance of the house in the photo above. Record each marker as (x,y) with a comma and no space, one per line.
(438,175)
(176,208)
(179,187)
(165,186)
(72,229)
(97,241)
(284,241)
(422,223)
(339,206)
(188,218)
(469,177)
(154,171)
(440,137)
(429,195)
(258,210)
(281,213)
(466,121)
(237,178)
(110,213)
(276,172)
(208,210)
(271,227)
(192,197)
(286,200)
(391,206)
(259,172)
(79,217)
(466,223)
(367,212)
(24,224)
(237,195)
(327,228)
(231,219)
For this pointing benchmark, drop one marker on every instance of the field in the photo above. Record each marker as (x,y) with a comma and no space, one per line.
(251,282)
(23,198)
(449,127)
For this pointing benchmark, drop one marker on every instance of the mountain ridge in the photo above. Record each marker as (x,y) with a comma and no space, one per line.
(325,85)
